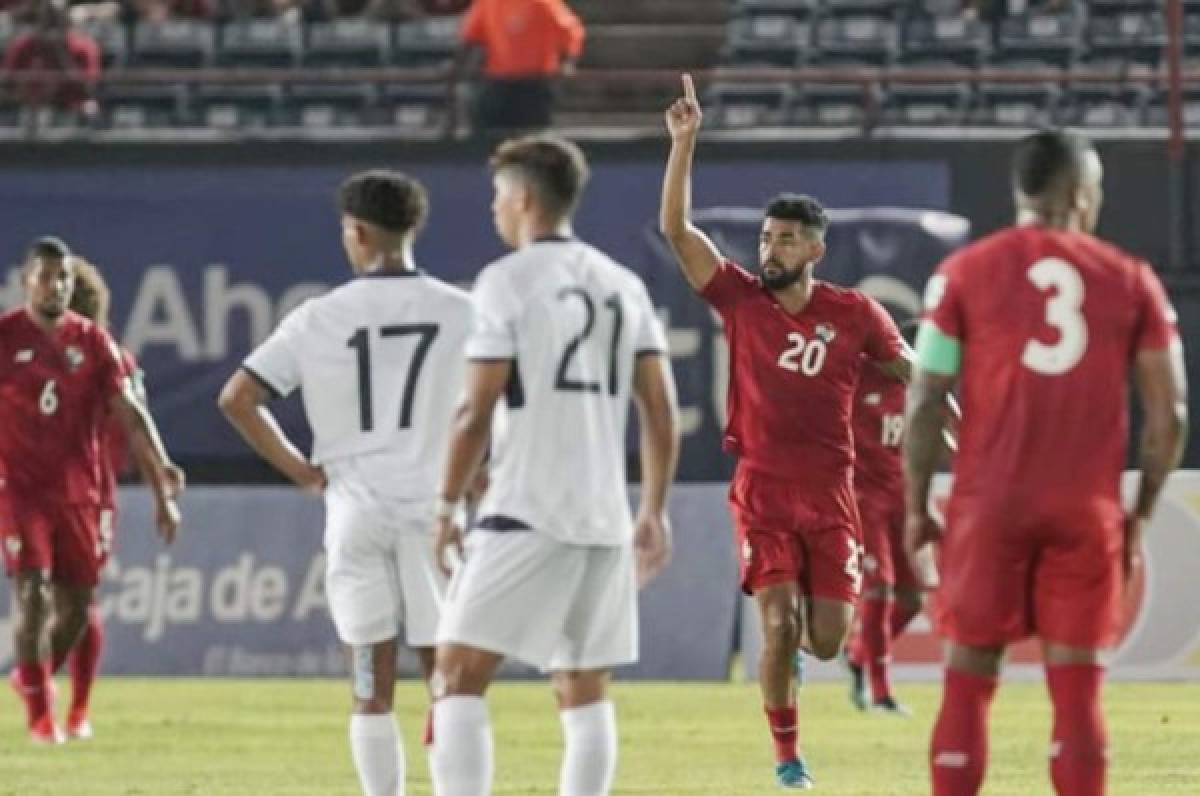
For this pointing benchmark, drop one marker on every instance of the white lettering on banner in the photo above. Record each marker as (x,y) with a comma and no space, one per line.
(153,597)
(312,591)
(221,300)
(160,316)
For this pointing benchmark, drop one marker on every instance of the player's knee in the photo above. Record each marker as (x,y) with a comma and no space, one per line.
(454,676)
(781,630)
(33,597)
(826,648)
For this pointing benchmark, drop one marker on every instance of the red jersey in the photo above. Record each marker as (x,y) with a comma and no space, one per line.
(792,377)
(878,434)
(1049,323)
(54,388)
(114,442)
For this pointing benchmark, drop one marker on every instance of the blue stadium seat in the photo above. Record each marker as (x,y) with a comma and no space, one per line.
(236,107)
(182,43)
(836,105)
(348,43)
(745,105)
(261,42)
(1056,38)
(325,105)
(864,39)
(426,42)
(1137,36)
(771,40)
(414,108)
(1018,104)
(800,9)
(882,9)
(929,104)
(132,107)
(113,39)
(962,41)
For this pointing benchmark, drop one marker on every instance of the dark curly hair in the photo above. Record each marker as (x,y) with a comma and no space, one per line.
(389,200)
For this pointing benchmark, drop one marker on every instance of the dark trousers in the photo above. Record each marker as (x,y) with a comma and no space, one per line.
(518,104)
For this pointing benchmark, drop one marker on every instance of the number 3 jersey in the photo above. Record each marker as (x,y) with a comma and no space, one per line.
(1049,323)
(573,323)
(55,388)
(792,378)
(379,362)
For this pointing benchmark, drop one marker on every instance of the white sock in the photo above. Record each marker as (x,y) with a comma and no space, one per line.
(378,753)
(461,759)
(589,750)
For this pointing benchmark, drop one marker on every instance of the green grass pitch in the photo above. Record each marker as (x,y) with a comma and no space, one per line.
(224,737)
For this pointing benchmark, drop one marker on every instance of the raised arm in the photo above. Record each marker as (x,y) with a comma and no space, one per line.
(658,419)
(697,255)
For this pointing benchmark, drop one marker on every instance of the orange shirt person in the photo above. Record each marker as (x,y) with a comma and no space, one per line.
(525,44)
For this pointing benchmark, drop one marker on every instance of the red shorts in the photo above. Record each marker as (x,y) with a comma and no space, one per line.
(786,535)
(1054,574)
(69,543)
(884,560)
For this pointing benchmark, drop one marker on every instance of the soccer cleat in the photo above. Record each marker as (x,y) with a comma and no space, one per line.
(799,667)
(45,732)
(889,705)
(858,682)
(78,726)
(793,774)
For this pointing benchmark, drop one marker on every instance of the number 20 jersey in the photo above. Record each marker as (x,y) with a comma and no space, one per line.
(573,323)
(54,389)
(379,363)
(1049,323)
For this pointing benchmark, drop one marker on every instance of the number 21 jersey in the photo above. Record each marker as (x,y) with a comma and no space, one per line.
(1049,323)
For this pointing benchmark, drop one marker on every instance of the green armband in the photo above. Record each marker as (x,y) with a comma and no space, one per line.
(938,352)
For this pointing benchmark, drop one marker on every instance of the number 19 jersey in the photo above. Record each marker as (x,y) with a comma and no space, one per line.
(379,362)
(573,323)
(1049,323)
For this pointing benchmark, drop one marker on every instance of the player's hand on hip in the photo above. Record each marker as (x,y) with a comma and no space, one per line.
(312,480)
(448,545)
(652,544)
(168,519)
(684,115)
(1131,550)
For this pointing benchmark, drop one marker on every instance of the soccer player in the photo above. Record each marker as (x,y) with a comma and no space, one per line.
(379,362)
(564,335)
(91,299)
(797,348)
(1040,325)
(60,378)
(892,592)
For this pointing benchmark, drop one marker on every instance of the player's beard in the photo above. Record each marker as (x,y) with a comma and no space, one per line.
(782,280)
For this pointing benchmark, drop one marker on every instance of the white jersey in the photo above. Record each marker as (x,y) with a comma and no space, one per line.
(573,322)
(379,362)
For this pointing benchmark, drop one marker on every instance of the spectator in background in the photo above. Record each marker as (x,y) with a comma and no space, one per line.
(68,60)
(525,44)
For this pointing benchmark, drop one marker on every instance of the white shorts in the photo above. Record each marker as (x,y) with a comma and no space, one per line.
(555,606)
(380,572)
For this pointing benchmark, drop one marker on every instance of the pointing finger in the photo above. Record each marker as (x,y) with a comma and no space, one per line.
(689,88)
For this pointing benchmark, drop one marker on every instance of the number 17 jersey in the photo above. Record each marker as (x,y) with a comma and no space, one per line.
(379,362)
(1049,323)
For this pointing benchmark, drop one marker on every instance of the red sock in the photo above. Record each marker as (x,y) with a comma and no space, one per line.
(84,661)
(782,722)
(34,680)
(958,751)
(902,614)
(1078,755)
(877,647)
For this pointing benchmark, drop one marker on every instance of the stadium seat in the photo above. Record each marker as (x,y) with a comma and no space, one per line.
(229,107)
(181,43)
(132,106)
(881,9)
(1018,104)
(113,39)
(348,43)
(800,9)
(321,105)
(745,105)
(771,40)
(426,42)
(1055,38)
(1157,111)
(261,42)
(928,104)
(414,108)
(1191,33)
(868,40)
(957,39)
(836,105)
(1138,36)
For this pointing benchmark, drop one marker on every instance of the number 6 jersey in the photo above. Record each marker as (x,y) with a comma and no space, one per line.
(54,389)
(792,378)
(379,362)
(1049,323)
(573,323)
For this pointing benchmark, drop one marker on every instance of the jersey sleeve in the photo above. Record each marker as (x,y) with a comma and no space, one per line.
(111,373)
(275,364)
(496,310)
(882,342)
(943,300)
(650,338)
(729,285)
(1157,320)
